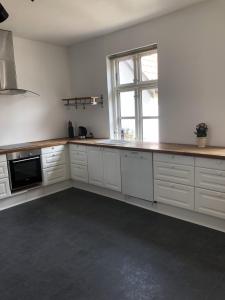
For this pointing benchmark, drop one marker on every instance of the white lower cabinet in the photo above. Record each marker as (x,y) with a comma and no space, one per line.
(54,164)
(111,169)
(210,202)
(79,172)
(3,170)
(95,166)
(210,179)
(137,178)
(54,174)
(4,188)
(104,167)
(174,194)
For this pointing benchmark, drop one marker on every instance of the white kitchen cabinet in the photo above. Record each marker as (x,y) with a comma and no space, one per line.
(111,169)
(53,159)
(78,157)
(79,172)
(3,158)
(3,170)
(210,202)
(54,174)
(95,166)
(54,164)
(210,179)
(174,194)
(181,174)
(210,163)
(137,178)
(4,188)
(174,159)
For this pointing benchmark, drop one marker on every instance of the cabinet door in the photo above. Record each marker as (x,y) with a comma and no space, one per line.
(95,166)
(174,194)
(210,179)
(4,188)
(53,159)
(78,157)
(111,169)
(3,170)
(79,172)
(210,202)
(137,179)
(54,174)
(180,174)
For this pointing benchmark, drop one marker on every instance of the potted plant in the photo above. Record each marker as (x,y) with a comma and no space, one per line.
(201,133)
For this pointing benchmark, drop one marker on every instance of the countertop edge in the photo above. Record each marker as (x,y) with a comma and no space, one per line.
(186,150)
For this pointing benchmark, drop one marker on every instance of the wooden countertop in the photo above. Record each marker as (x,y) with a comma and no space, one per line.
(188,150)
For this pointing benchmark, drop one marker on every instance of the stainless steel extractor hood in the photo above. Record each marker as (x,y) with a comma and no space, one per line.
(8,82)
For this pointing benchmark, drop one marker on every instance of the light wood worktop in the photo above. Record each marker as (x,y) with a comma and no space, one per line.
(189,150)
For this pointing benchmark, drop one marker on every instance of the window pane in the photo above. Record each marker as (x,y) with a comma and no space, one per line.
(150,103)
(128,125)
(149,67)
(126,71)
(151,130)
(127,104)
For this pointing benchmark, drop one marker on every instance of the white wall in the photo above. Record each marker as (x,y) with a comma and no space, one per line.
(42,68)
(191,71)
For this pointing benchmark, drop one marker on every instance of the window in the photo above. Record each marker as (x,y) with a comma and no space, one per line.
(135,95)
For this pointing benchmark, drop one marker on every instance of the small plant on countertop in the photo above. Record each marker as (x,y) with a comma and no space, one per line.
(201,130)
(201,133)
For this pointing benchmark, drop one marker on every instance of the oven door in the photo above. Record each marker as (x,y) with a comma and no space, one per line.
(25,172)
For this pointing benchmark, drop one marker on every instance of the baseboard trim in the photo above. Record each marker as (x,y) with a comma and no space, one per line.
(171,211)
(33,194)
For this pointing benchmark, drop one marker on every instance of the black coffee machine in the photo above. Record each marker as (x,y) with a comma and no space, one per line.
(82,132)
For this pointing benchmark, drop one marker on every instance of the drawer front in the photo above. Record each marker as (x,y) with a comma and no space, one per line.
(174,173)
(176,159)
(208,163)
(54,174)
(4,188)
(210,179)
(2,158)
(75,147)
(3,170)
(174,194)
(79,172)
(210,203)
(52,149)
(78,157)
(53,159)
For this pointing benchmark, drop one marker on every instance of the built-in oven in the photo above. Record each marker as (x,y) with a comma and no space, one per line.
(24,169)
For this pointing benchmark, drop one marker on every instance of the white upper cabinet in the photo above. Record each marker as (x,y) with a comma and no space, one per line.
(111,169)
(137,178)
(95,166)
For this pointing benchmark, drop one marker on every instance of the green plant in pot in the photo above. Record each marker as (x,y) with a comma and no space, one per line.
(201,133)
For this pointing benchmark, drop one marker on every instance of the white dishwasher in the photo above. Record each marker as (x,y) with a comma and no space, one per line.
(137,174)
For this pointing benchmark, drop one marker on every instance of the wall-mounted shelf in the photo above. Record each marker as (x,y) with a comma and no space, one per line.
(83,101)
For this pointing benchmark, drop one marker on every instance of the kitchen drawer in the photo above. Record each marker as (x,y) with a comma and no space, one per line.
(210,202)
(53,149)
(78,157)
(4,188)
(210,179)
(174,194)
(54,174)
(78,147)
(176,159)
(79,172)
(137,155)
(2,158)
(208,163)
(53,159)
(3,170)
(176,173)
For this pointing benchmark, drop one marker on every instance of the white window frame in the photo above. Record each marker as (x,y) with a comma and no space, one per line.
(137,86)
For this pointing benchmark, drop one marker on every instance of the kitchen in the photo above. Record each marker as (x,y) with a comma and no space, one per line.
(134,85)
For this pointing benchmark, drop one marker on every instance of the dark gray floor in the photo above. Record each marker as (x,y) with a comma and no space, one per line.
(77,245)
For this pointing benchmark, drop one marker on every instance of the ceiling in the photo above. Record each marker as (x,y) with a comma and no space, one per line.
(65,22)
